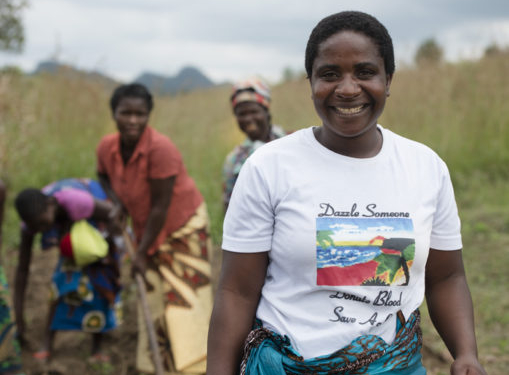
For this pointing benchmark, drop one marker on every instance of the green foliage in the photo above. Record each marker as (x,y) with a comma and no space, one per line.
(12,36)
(429,52)
(388,263)
(494,50)
(11,70)
(323,237)
(409,252)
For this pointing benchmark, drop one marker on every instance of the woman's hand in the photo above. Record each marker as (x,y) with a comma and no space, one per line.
(117,219)
(467,366)
(139,266)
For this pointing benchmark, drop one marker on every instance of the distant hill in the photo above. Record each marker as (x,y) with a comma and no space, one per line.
(188,79)
(54,67)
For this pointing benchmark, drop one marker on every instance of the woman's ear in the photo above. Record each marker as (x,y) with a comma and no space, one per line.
(388,85)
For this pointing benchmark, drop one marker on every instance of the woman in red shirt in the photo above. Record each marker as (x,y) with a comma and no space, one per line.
(143,173)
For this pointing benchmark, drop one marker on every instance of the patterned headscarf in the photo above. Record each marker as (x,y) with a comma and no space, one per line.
(251,90)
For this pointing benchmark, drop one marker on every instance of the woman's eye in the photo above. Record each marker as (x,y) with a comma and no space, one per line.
(329,75)
(365,73)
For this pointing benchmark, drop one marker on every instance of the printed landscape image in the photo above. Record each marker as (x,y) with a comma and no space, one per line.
(361,251)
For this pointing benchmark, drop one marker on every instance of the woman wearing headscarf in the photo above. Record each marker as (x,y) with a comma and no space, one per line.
(250,102)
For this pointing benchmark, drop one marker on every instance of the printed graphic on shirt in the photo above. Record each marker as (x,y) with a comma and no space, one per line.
(364,251)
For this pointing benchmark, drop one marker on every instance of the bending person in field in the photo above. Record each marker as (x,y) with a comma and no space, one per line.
(143,173)
(73,216)
(336,233)
(10,351)
(250,102)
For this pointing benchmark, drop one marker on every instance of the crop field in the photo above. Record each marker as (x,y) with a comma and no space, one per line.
(50,126)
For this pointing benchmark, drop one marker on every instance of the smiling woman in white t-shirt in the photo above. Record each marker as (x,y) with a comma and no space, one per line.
(335,234)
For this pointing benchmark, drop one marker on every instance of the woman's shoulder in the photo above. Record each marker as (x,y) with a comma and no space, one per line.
(107,141)
(412,150)
(158,139)
(160,149)
(111,137)
(408,143)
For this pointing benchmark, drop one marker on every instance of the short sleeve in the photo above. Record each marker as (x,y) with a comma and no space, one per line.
(249,221)
(164,159)
(446,230)
(78,204)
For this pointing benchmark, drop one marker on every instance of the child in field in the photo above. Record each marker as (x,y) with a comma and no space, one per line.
(10,353)
(86,278)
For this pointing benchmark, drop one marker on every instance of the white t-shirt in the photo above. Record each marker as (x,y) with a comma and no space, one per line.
(347,238)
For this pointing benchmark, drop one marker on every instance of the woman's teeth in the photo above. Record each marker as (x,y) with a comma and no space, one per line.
(349,111)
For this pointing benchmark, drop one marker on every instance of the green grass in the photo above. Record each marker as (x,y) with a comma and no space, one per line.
(50,126)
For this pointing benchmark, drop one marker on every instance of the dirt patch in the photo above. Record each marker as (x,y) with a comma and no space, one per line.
(72,348)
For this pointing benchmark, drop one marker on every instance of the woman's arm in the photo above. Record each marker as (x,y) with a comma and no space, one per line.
(451,310)
(21,280)
(106,185)
(240,284)
(160,197)
(117,214)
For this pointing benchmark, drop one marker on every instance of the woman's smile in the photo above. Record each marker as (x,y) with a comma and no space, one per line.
(350,111)
(349,87)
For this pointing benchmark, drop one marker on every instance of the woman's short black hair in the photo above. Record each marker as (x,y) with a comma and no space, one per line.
(350,21)
(30,204)
(131,90)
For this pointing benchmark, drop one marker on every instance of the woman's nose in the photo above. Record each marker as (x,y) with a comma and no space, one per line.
(133,119)
(347,87)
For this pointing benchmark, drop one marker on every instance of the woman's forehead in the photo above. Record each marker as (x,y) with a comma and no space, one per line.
(347,43)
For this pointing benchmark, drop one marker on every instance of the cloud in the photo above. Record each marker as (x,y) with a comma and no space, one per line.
(345,227)
(469,40)
(228,39)
(381,228)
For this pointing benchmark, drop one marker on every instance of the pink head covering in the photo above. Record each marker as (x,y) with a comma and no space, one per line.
(251,90)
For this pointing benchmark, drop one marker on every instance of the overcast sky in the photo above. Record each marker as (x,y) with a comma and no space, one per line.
(232,39)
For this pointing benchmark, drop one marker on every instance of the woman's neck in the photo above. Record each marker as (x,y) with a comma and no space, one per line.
(127,150)
(366,145)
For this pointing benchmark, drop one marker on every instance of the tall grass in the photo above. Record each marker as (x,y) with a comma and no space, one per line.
(50,126)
